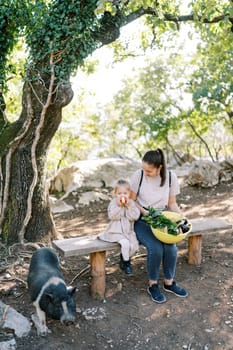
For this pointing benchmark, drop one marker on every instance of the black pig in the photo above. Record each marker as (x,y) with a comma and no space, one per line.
(49,293)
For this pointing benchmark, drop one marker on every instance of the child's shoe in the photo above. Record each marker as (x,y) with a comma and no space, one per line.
(126,266)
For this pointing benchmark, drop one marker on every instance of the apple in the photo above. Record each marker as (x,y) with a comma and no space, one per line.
(122,200)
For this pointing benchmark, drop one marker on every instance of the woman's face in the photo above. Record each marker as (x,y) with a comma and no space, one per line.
(150,170)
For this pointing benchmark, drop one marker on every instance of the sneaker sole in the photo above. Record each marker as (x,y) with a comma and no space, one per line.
(178,295)
(156,301)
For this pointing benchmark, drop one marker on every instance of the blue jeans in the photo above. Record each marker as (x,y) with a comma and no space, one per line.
(157,252)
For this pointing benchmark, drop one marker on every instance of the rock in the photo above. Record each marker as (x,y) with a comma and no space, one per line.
(8,344)
(179,159)
(227,164)
(59,206)
(92,196)
(203,173)
(226,172)
(65,179)
(92,174)
(14,320)
(94,313)
(88,180)
(110,292)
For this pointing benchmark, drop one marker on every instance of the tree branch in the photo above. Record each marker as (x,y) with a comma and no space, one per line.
(230,115)
(110,28)
(201,138)
(173,18)
(176,155)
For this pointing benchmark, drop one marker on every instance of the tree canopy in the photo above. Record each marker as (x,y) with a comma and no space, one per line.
(71,30)
(154,105)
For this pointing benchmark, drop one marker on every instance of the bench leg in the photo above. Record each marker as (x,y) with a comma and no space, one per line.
(194,250)
(97,261)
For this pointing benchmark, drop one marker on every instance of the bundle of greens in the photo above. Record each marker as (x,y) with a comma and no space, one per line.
(156,219)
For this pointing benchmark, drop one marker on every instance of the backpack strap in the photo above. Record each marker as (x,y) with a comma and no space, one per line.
(170,178)
(140,182)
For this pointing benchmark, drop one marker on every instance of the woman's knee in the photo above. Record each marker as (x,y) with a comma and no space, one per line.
(155,251)
(170,249)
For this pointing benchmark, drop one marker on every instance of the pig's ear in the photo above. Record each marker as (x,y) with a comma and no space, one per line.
(71,290)
(49,296)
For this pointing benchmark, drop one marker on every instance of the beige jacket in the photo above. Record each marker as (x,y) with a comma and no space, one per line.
(122,222)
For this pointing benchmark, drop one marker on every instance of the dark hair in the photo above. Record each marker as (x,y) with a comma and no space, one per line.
(157,158)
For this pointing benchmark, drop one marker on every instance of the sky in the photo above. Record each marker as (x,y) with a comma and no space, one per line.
(108,78)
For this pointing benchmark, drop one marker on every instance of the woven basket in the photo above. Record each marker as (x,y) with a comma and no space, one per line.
(165,237)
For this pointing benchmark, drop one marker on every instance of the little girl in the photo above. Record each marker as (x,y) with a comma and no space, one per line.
(122,211)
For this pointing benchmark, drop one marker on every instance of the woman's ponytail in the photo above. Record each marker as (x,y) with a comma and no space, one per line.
(163,171)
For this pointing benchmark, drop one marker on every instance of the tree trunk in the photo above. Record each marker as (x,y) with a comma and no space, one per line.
(21,177)
(24,201)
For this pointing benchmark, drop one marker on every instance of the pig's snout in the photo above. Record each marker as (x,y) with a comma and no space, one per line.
(68,315)
(68,323)
(67,319)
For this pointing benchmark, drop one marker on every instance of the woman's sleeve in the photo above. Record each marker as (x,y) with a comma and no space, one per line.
(175,186)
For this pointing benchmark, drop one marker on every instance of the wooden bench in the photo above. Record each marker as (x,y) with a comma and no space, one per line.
(96,249)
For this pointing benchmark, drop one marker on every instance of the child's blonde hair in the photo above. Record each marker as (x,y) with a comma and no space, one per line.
(121,182)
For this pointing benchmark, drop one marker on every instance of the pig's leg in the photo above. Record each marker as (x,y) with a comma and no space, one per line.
(39,319)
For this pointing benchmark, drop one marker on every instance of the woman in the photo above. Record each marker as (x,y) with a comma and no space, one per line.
(153,186)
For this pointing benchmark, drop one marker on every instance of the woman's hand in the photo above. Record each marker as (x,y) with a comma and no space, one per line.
(172,205)
(144,211)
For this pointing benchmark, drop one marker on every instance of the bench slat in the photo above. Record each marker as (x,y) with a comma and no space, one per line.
(208,224)
(96,248)
(84,245)
(78,246)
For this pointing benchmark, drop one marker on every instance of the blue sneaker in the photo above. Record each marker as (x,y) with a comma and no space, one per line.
(175,289)
(155,294)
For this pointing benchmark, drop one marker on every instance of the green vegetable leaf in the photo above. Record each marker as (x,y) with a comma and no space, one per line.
(156,219)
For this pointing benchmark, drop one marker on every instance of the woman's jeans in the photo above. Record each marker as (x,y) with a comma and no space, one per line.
(157,252)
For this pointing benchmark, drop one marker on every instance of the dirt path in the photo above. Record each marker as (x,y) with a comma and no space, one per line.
(128,319)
